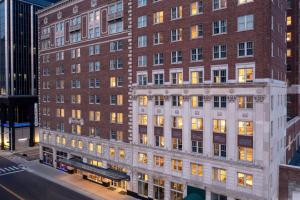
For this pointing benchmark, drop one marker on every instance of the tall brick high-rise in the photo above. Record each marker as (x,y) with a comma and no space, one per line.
(166,99)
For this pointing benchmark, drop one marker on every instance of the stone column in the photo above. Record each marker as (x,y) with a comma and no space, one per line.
(207,123)
(150,125)
(167,190)
(135,119)
(231,138)
(258,139)
(41,152)
(186,132)
(54,158)
(167,125)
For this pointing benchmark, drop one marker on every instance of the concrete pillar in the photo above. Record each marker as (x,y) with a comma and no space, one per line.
(259,129)
(150,187)
(167,190)
(54,158)
(135,119)
(231,127)
(207,122)
(11,119)
(41,152)
(208,195)
(167,125)
(150,125)
(186,133)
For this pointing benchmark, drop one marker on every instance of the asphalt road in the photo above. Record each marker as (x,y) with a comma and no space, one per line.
(26,186)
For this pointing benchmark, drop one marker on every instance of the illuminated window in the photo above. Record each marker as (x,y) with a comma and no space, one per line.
(245,128)
(143,138)
(245,75)
(197,101)
(143,119)
(158,161)
(196,169)
(245,102)
(57,139)
(176,191)
(289,20)
(288,36)
(197,124)
(73,142)
(113,82)
(177,78)
(122,153)
(244,1)
(158,17)
(197,7)
(63,141)
(143,100)
(245,154)
(219,175)
(142,158)
(177,101)
(120,118)
(289,52)
(176,165)
(245,180)
(177,122)
(176,12)
(159,120)
(80,144)
(111,152)
(219,126)
(196,31)
(99,149)
(159,141)
(196,77)
(91,147)
(76,114)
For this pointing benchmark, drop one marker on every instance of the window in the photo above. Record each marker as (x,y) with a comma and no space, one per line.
(288,36)
(197,124)
(219,4)
(215,196)
(197,146)
(245,49)
(158,189)
(220,76)
(245,23)
(142,21)
(177,122)
(142,79)
(244,180)
(219,175)
(115,27)
(112,152)
(245,102)
(219,126)
(142,158)
(91,147)
(197,101)
(196,54)
(159,141)
(116,46)
(177,143)
(99,149)
(197,7)
(116,118)
(158,58)
(142,3)
(196,31)
(176,57)
(159,161)
(157,38)
(158,79)
(244,1)
(159,120)
(196,77)
(196,169)
(115,64)
(176,191)
(143,120)
(94,116)
(177,101)
(220,52)
(80,144)
(219,27)
(245,154)
(142,41)
(176,35)
(159,100)
(177,78)
(245,75)
(176,165)
(142,61)
(176,12)
(289,20)
(143,138)
(158,17)
(143,100)
(220,150)
(122,153)
(143,184)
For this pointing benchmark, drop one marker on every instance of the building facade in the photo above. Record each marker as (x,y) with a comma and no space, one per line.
(18,71)
(166,99)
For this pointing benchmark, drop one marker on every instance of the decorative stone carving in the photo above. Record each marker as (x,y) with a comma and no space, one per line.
(259,98)
(231,90)
(150,97)
(166,97)
(59,15)
(207,98)
(45,20)
(231,98)
(75,9)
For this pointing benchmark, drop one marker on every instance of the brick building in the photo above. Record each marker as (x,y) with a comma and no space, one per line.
(166,99)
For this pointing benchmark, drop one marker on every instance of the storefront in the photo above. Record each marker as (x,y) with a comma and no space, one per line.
(115,179)
(60,155)
(194,193)
(48,156)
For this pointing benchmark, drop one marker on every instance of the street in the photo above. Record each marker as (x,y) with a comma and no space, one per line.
(18,184)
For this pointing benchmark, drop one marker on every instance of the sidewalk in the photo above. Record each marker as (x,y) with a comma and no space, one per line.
(74,182)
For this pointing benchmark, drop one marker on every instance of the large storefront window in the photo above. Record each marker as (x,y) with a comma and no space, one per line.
(47,156)
(143,184)
(176,191)
(60,156)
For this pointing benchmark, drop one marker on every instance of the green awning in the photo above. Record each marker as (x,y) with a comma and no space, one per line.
(193,196)
(106,173)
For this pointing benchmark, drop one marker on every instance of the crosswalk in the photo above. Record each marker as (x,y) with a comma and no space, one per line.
(11,170)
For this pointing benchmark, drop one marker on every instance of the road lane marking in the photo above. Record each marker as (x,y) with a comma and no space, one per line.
(22,170)
(11,192)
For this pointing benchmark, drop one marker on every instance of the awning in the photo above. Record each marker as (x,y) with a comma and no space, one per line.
(106,173)
(193,196)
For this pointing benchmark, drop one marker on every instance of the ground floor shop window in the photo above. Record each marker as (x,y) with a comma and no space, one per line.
(143,184)
(176,191)
(158,189)
(215,196)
